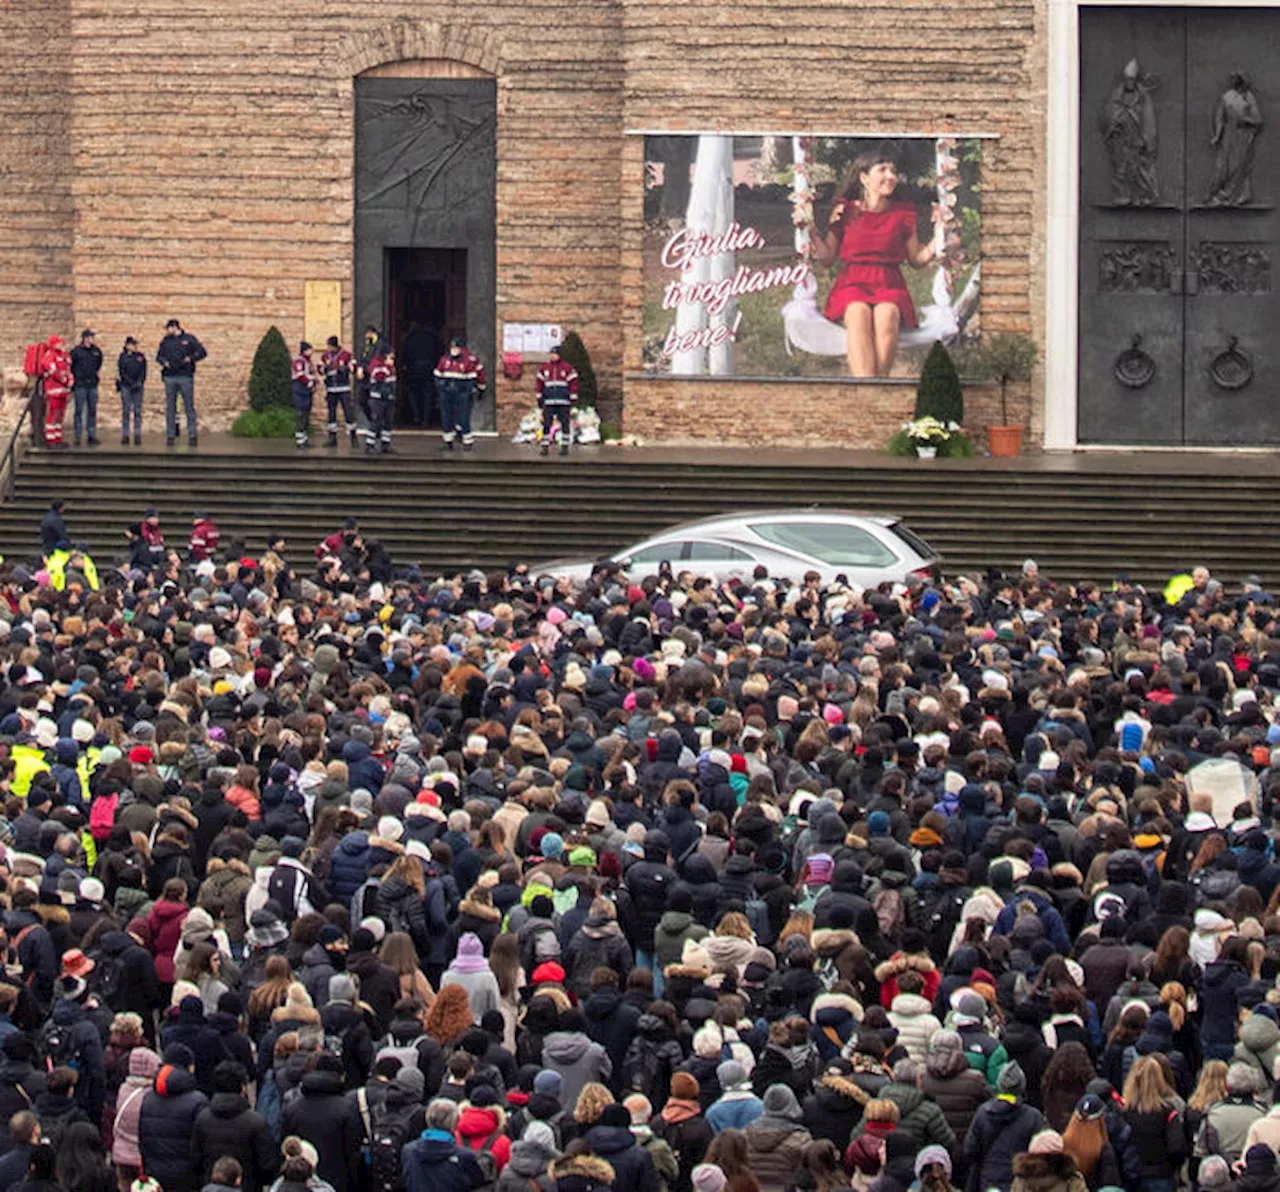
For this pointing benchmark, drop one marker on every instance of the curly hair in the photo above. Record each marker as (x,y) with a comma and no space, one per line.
(592,1102)
(1070,1068)
(450,1015)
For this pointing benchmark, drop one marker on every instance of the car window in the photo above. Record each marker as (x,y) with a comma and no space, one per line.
(835,543)
(913,540)
(662,552)
(719,551)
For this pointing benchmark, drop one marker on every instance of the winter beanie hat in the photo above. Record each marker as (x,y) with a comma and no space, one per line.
(1012,1081)
(707,1177)
(1047,1142)
(780,1101)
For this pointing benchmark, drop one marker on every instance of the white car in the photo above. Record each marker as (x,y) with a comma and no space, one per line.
(864,548)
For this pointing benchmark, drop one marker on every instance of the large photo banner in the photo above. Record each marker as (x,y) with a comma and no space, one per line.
(799,256)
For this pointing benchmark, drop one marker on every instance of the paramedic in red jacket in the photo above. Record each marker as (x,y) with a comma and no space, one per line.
(557,389)
(304,387)
(55,373)
(459,380)
(382,399)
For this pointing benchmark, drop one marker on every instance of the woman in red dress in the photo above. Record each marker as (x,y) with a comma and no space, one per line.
(872,234)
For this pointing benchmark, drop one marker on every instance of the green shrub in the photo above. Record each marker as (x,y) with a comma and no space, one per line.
(574,351)
(271,375)
(938,392)
(273,423)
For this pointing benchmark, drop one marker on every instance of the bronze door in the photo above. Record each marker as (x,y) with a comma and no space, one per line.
(1177,227)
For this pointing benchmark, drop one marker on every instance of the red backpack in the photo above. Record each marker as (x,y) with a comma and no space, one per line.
(33,359)
(102,816)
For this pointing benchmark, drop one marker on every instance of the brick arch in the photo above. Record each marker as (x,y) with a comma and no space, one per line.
(398,41)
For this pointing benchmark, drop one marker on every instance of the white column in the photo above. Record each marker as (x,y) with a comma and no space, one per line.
(710,212)
(1063,228)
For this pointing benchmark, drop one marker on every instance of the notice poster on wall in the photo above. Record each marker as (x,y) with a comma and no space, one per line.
(808,256)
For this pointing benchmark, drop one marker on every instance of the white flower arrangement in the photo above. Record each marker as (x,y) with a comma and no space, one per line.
(586,427)
(930,431)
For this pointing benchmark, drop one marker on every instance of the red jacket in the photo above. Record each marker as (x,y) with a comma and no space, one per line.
(204,539)
(477,1126)
(557,383)
(303,374)
(165,921)
(55,371)
(461,375)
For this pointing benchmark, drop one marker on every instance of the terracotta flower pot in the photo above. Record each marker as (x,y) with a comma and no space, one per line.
(1004,440)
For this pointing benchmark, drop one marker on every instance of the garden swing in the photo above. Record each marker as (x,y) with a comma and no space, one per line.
(807,329)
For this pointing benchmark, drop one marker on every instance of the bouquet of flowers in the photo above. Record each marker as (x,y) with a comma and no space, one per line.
(929,431)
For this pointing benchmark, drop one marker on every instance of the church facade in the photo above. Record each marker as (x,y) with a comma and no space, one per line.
(438,168)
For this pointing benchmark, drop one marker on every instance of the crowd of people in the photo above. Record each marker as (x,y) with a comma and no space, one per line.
(315,878)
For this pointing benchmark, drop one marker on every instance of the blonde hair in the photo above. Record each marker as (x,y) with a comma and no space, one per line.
(1173,997)
(1145,1088)
(735,923)
(879,1110)
(592,1102)
(1212,1086)
(798,923)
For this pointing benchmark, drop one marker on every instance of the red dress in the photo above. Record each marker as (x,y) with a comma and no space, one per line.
(873,244)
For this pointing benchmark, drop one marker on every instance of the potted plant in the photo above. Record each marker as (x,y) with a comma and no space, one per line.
(927,434)
(1004,357)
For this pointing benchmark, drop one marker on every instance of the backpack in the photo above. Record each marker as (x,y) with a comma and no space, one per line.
(58,1046)
(102,816)
(644,1069)
(406,1053)
(108,978)
(488,1164)
(363,901)
(546,945)
(809,899)
(269,1103)
(287,886)
(388,1133)
(758,917)
(891,914)
(942,923)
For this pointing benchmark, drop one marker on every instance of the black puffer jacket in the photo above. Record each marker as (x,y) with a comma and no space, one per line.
(835,1108)
(331,1123)
(1000,1130)
(633,1168)
(166,1124)
(227,1126)
(15,1073)
(401,908)
(649,882)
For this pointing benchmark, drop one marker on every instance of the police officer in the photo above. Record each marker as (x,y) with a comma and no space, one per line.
(459,381)
(338,366)
(178,354)
(557,390)
(86,367)
(131,376)
(304,387)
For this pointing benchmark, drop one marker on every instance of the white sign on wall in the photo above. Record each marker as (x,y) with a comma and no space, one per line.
(531,338)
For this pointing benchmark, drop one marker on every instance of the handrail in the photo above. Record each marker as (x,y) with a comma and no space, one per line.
(9,462)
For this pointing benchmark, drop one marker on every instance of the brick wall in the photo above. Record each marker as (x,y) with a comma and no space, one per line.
(212,158)
(236,184)
(825,65)
(35,179)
